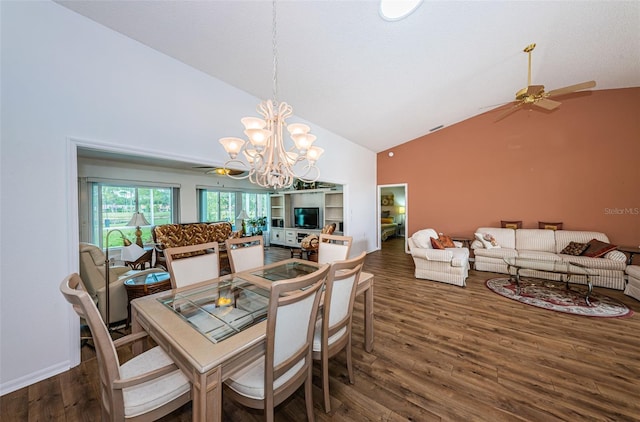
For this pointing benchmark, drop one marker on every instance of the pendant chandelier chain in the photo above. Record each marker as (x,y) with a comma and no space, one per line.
(274,35)
(265,156)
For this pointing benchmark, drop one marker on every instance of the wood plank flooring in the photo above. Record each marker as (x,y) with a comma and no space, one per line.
(441,353)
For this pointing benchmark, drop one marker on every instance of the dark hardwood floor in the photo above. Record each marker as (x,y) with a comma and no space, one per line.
(441,353)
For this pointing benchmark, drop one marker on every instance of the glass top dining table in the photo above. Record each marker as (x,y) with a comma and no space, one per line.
(220,310)
(227,317)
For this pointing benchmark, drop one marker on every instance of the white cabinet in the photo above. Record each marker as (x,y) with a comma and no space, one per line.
(282,204)
(333,210)
(277,236)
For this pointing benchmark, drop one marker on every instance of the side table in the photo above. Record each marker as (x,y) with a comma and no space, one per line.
(466,243)
(631,250)
(141,263)
(145,284)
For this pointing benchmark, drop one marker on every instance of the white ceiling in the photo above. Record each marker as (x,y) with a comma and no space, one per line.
(381,83)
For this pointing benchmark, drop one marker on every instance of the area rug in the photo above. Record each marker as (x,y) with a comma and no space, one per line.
(554,296)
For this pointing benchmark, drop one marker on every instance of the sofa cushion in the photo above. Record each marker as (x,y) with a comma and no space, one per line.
(446,241)
(435,244)
(598,248)
(488,240)
(422,238)
(549,226)
(536,240)
(496,252)
(538,255)
(511,224)
(564,237)
(575,248)
(595,263)
(506,238)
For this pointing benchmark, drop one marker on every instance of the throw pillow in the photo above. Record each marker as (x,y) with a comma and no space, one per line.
(575,248)
(487,239)
(446,241)
(598,248)
(385,214)
(386,220)
(511,224)
(549,226)
(436,244)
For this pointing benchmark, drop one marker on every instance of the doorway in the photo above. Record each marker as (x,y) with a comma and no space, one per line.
(393,213)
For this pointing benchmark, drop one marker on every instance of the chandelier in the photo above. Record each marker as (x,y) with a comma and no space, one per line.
(268,162)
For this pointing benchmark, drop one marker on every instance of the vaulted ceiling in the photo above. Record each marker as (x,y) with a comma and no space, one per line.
(382,83)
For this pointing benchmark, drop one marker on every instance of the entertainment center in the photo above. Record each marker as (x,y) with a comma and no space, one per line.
(297,214)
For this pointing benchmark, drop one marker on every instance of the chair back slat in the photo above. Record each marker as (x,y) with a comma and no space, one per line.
(192,264)
(72,289)
(245,253)
(333,248)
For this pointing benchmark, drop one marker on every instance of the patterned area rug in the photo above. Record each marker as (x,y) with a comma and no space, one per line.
(554,296)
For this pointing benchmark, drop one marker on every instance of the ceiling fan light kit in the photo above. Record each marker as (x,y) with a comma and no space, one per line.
(535,95)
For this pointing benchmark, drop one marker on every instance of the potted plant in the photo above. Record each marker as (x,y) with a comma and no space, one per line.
(257,225)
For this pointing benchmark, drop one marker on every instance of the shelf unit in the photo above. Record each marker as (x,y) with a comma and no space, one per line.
(282,231)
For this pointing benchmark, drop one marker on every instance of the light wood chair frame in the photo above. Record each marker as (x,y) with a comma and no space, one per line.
(287,292)
(172,255)
(333,238)
(234,244)
(340,270)
(111,385)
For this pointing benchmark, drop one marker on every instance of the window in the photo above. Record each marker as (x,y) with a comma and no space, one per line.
(113,205)
(217,206)
(226,205)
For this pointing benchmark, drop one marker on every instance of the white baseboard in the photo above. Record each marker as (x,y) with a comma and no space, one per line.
(11,386)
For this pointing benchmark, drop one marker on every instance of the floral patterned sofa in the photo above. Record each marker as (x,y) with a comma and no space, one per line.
(186,234)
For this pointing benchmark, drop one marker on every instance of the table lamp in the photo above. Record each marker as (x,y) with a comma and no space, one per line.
(138,220)
(243,216)
(402,211)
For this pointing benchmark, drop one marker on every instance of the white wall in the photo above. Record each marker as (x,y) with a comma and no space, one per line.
(68,81)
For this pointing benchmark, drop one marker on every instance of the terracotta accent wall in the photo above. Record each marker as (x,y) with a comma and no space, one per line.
(579,165)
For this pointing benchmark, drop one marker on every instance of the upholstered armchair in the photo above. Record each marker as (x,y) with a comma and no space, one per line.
(448,265)
(92,272)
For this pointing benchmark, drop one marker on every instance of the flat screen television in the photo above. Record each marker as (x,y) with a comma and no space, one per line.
(306,218)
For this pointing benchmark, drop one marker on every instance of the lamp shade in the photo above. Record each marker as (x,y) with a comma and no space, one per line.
(402,210)
(132,252)
(138,220)
(242,216)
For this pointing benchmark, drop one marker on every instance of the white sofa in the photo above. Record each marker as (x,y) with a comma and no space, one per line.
(449,265)
(633,286)
(546,245)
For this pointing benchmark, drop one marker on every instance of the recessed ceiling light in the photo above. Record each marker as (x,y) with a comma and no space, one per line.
(393,10)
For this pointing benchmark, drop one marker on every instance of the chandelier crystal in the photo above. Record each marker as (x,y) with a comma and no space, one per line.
(266,158)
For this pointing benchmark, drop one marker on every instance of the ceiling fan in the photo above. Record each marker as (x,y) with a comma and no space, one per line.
(220,171)
(535,94)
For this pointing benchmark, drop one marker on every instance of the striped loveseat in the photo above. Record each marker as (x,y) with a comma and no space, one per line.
(541,244)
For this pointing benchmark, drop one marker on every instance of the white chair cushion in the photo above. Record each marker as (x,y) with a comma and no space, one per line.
(250,381)
(331,252)
(145,397)
(317,336)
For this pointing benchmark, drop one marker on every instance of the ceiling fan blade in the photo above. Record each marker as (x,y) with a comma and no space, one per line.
(571,88)
(535,89)
(509,111)
(547,104)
